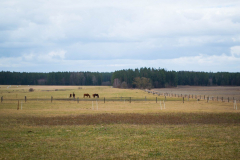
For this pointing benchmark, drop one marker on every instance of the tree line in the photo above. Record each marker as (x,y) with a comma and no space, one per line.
(129,78)
(159,78)
(55,78)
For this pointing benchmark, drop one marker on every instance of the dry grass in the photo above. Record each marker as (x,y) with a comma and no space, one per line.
(135,118)
(211,91)
(116,130)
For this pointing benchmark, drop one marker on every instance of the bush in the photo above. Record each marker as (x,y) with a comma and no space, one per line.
(124,85)
(31,90)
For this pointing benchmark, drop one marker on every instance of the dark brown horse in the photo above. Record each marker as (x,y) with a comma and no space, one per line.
(70,95)
(73,95)
(95,95)
(86,95)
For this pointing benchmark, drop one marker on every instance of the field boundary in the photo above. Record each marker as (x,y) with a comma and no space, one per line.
(196,97)
(165,97)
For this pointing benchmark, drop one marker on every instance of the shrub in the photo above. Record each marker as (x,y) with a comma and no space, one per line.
(31,89)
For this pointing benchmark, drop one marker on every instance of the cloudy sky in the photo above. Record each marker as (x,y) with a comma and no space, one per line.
(109,35)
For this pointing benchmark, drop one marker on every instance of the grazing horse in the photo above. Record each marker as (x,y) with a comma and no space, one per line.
(70,95)
(73,95)
(95,95)
(86,95)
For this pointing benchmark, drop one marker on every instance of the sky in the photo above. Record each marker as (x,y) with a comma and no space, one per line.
(110,35)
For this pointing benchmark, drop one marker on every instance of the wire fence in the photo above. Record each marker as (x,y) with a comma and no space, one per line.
(159,97)
(196,97)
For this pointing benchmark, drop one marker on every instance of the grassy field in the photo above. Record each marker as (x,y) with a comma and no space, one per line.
(114,129)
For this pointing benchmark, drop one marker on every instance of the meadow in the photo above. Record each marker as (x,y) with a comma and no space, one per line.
(115,129)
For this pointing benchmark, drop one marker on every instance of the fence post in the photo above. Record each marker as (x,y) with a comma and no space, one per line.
(25,98)
(183,99)
(18,105)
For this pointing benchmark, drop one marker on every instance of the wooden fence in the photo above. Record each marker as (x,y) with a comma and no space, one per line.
(164,97)
(196,97)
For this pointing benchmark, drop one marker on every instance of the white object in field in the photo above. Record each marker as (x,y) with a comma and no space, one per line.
(235,105)
(97,105)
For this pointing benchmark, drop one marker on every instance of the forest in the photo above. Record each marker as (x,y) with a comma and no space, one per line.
(55,78)
(129,78)
(161,78)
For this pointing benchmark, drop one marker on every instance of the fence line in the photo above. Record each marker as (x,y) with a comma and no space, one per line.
(176,97)
(52,99)
(125,99)
(197,97)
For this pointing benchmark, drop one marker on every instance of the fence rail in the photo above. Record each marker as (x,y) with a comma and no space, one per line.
(197,97)
(128,99)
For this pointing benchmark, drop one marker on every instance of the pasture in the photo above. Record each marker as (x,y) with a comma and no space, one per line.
(91,128)
(226,92)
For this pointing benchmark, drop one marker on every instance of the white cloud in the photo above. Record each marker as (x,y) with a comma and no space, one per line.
(179,32)
(58,54)
(53,56)
(10,62)
(29,57)
(202,62)
(235,51)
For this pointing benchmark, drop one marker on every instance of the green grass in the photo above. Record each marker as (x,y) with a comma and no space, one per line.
(117,130)
(121,141)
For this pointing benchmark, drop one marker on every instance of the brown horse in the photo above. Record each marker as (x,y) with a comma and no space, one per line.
(95,95)
(86,95)
(73,95)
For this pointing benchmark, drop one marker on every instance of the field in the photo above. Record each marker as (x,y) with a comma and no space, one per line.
(115,129)
(211,91)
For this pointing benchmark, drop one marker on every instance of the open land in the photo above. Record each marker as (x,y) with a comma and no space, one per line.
(212,91)
(116,129)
